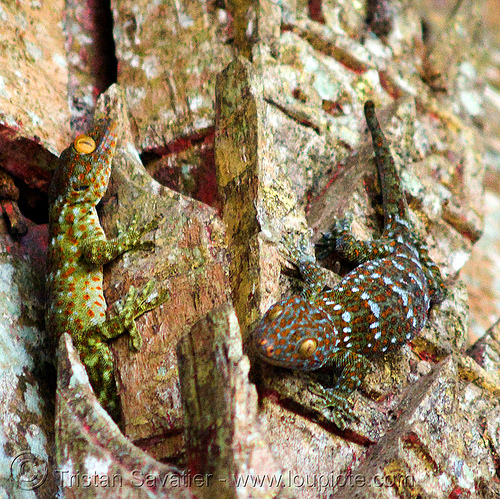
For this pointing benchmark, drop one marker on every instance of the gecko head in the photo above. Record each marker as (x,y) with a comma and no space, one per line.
(83,171)
(294,334)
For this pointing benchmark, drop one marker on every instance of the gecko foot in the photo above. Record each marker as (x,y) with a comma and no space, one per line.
(341,410)
(136,304)
(294,249)
(329,240)
(135,233)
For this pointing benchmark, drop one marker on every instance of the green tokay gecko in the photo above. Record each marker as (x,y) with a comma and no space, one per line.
(379,306)
(77,251)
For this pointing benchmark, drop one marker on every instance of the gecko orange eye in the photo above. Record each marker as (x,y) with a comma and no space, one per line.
(307,348)
(275,312)
(84,144)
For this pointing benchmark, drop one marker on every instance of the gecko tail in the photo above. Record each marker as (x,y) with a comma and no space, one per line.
(395,207)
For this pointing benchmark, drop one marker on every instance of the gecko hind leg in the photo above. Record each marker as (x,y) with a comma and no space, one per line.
(341,241)
(95,352)
(133,306)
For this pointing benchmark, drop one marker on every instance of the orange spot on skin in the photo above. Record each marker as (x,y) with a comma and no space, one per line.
(358,320)
(90,313)
(86,297)
(67,273)
(95,279)
(69,218)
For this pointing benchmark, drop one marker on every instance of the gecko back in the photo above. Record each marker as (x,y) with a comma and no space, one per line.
(78,184)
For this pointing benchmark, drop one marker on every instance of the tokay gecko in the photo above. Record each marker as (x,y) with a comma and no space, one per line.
(77,251)
(379,306)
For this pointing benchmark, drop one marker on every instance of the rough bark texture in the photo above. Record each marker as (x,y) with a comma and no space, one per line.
(224,434)
(242,150)
(92,454)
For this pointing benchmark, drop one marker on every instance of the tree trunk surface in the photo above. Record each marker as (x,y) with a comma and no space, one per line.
(241,122)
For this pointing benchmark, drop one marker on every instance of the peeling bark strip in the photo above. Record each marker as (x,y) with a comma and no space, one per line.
(222,426)
(169,54)
(189,261)
(259,203)
(324,40)
(9,197)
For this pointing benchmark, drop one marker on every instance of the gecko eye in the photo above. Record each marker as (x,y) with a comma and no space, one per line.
(307,348)
(84,144)
(275,312)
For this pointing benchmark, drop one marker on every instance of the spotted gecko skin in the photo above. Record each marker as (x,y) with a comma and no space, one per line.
(77,251)
(378,307)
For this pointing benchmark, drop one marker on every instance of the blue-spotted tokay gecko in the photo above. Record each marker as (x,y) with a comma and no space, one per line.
(379,306)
